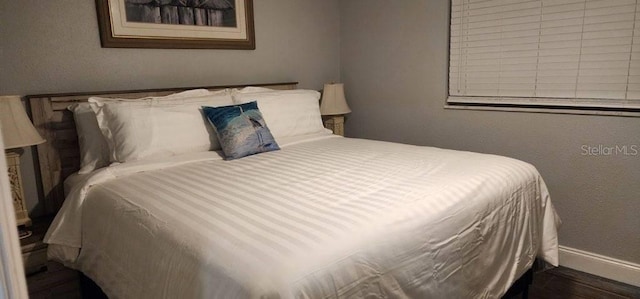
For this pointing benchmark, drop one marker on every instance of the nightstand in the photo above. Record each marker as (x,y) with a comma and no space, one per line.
(46,279)
(34,251)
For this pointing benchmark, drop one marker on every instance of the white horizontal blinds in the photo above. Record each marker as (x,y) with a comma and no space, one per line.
(494,46)
(633,86)
(564,52)
(606,49)
(560,43)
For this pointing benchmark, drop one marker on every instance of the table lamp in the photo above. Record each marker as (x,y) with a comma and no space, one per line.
(333,107)
(17,132)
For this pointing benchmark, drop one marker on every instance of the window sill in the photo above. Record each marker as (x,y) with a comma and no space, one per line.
(543,110)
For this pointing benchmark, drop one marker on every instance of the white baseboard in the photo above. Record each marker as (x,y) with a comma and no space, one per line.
(600,265)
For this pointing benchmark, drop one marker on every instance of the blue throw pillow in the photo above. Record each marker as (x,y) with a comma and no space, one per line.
(241,130)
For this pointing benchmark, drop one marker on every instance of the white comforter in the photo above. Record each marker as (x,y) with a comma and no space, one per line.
(328,217)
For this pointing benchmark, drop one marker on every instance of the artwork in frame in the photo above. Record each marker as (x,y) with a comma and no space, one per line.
(184,24)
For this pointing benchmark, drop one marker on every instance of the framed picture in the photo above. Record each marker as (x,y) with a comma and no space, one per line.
(185,24)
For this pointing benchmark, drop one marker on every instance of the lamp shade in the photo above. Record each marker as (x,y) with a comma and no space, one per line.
(333,100)
(17,130)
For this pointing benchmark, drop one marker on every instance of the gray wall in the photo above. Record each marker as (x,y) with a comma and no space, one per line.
(394,66)
(54,46)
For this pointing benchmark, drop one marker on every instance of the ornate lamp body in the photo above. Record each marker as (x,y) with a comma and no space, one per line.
(335,123)
(13,165)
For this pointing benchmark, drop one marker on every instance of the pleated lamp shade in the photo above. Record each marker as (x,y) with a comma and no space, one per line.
(17,129)
(333,100)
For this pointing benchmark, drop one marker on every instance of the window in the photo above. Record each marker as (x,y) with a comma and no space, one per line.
(582,54)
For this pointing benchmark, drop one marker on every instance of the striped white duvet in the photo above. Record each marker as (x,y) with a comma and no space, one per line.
(326,218)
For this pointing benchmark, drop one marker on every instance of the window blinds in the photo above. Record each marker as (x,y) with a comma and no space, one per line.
(581,53)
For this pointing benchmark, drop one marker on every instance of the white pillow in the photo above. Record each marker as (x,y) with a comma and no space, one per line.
(94,150)
(172,98)
(159,127)
(287,112)
(250,89)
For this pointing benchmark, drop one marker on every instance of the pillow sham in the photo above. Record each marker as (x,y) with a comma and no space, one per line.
(94,149)
(250,89)
(287,112)
(241,130)
(172,99)
(157,128)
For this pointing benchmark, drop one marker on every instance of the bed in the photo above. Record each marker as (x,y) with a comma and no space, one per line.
(323,217)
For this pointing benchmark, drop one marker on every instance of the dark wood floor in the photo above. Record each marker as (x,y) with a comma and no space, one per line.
(557,283)
(564,283)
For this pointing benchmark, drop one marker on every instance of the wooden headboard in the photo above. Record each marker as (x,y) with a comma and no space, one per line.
(59,157)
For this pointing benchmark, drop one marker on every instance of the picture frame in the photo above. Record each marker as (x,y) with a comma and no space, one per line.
(176,24)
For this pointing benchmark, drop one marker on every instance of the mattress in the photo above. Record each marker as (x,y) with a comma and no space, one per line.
(325,217)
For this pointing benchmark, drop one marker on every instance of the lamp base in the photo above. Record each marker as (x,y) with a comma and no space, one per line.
(335,123)
(17,193)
